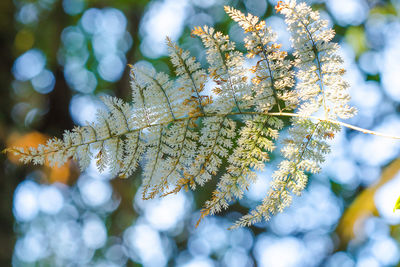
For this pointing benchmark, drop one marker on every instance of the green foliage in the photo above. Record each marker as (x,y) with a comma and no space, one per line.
(397,205)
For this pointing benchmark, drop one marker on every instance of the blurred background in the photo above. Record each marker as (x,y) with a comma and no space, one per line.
(58,56)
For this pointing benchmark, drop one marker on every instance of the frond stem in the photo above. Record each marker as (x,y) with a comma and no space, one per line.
(134,153)
(155,163)
(192,80)
(319,73)
(123,115)
(145,111)
(164,179)
(229,76)
(164,93)
(270,72)
(282,114)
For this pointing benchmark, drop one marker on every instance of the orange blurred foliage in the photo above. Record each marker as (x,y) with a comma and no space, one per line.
(363,205)
(33,139)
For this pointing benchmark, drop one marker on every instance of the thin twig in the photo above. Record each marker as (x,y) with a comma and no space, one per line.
(347,125)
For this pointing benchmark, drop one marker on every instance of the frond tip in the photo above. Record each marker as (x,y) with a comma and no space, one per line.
(182,138)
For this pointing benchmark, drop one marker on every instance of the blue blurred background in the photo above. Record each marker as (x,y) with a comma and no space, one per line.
(58,56)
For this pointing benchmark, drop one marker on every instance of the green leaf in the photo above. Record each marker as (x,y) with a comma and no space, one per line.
(355,36)
(397,205)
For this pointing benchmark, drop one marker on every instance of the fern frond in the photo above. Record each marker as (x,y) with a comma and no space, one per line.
(121,115)
(142,109)
(178,146)
(304,152)
(182,138)
(191,77)
(214,144)
(134,146)
(273,75)
(153,156)
(163,97)
(319,66)
(226,70)
(254,145)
